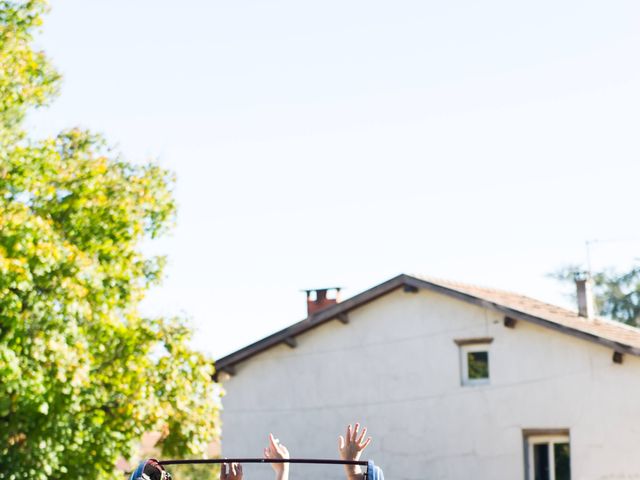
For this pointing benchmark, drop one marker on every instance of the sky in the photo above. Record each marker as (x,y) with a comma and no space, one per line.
(340,143)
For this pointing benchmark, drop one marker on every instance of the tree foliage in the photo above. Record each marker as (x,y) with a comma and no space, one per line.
(82,373)
(617,295)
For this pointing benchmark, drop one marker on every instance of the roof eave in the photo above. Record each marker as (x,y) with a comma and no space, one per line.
(403,280)
(311,322)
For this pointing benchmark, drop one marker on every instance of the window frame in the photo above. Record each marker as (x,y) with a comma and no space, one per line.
(548,439)
(465,349)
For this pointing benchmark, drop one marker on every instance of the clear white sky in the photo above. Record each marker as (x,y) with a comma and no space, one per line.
(343,142)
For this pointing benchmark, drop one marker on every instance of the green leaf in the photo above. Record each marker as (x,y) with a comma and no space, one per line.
(80,374)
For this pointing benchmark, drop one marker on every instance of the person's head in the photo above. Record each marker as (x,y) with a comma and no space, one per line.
(150,470)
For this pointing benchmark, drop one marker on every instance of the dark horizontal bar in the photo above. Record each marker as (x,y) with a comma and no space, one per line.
(319,461)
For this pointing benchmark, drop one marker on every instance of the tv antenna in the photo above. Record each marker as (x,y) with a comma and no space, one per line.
(593,241)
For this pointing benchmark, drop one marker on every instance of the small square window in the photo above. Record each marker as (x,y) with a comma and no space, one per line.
(475,364)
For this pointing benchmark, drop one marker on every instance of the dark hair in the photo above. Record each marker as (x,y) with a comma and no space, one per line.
(150,470)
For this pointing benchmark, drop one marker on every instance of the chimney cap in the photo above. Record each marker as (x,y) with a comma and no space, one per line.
(325,289)
(581,275)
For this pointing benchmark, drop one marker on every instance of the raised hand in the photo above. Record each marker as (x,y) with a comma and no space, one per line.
(231,471)
(351,447)
(276,450)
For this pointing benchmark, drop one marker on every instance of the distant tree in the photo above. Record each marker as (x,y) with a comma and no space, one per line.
(82,374)
(617,295)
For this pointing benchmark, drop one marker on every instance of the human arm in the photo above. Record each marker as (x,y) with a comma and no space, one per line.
(351,447)
(232,471)
(275,450)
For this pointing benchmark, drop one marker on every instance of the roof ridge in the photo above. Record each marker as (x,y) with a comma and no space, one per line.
(622,338)
(444,282)
(453,283)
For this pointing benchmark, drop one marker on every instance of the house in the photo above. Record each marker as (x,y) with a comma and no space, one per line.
(453,381)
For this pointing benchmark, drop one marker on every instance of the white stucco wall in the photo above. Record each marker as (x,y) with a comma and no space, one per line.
(395,367)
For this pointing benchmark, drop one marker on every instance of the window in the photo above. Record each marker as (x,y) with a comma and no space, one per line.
(474,360)
(548,457)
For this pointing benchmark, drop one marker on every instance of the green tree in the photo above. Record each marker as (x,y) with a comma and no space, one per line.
(617,295)
(82,374)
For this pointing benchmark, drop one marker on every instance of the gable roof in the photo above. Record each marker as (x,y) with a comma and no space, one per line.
(615,335)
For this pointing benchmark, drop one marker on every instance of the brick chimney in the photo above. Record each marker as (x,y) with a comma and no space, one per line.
(318,299)
(584,292)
